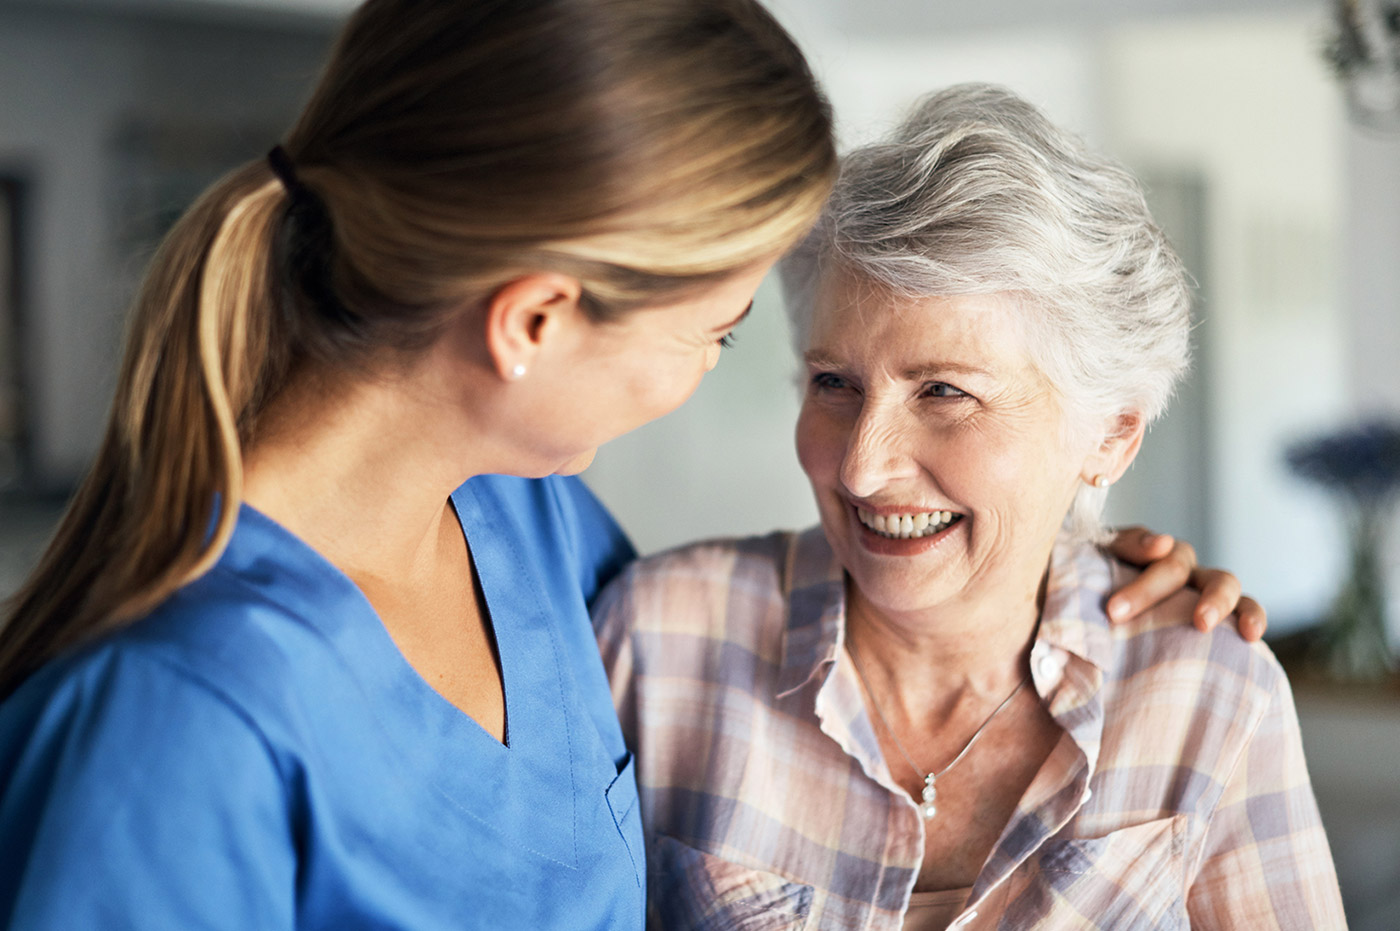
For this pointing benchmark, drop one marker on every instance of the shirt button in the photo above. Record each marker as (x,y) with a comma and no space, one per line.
(1046,666)
(1088,794)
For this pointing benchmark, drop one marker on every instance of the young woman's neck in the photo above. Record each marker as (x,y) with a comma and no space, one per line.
(357,468)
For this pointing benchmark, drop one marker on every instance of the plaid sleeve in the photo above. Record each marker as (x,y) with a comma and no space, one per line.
(612,624)
(1265,862)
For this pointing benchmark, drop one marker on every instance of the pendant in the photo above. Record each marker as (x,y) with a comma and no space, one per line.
(928,809)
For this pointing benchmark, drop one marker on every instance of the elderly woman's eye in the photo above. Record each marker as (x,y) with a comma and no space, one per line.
(939,389)
(826,381)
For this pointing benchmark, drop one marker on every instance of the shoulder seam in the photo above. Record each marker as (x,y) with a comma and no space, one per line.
(220,695)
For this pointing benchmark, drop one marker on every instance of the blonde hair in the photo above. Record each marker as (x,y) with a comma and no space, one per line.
(646,147)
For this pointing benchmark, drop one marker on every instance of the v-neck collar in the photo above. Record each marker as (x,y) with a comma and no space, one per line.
(430,736)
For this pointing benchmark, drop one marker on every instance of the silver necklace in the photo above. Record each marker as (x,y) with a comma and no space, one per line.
(929,807)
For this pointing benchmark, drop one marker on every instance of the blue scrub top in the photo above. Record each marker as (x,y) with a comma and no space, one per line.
(257,754)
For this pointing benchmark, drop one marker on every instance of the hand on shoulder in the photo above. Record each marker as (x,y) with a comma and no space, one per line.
(1168,567)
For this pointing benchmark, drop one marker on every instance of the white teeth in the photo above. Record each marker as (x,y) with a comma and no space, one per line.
(907,526)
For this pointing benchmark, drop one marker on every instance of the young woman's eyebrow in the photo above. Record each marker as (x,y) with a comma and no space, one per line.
(736,321)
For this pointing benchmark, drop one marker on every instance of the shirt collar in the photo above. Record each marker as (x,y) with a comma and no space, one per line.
(1073,618)
(1073,645)
(814,583)
(815,589)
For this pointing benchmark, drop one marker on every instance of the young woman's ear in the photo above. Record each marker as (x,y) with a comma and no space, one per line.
(525,313)
(1123,434)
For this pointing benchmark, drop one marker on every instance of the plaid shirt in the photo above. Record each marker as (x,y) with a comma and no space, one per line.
(1177,795)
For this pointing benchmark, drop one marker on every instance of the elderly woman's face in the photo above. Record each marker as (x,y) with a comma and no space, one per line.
(935,448)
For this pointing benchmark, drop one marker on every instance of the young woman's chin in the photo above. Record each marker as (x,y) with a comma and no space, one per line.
(578,463)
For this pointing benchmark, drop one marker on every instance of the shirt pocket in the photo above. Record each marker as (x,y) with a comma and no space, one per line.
(696,891)
(622,802)
(1132,878)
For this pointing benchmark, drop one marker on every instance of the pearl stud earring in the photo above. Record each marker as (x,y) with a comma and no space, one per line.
(517,372)
(1100,481)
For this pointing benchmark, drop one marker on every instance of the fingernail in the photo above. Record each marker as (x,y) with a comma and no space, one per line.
(1209,616)
(1150,538)
(1117,609)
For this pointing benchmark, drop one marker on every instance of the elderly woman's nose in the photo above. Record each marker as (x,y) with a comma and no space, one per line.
(875,452)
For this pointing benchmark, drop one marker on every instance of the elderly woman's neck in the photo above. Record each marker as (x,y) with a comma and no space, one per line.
(932,657)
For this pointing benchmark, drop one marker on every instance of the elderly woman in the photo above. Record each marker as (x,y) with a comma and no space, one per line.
(919,716)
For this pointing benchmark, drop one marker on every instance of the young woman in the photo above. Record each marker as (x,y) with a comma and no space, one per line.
(284,665)
(289,672)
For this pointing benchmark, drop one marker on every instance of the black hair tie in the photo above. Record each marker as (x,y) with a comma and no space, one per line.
(286,172)
(307,242)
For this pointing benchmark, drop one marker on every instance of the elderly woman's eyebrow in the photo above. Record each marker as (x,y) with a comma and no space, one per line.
(819,359)
(927,371)
(922,371)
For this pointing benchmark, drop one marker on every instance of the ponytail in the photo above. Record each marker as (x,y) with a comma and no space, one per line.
(160,501)
(645,147)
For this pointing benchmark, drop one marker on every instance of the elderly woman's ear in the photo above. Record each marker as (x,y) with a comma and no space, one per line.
(1122,434)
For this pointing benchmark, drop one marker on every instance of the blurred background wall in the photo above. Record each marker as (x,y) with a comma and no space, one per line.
(114,113)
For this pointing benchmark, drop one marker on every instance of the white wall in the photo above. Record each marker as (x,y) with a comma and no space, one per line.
(1247,102)
(1371,267)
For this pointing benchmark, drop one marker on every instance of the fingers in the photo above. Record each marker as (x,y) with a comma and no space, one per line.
(1140,546)
(1170,565)
(1220,596)
(1254,620)
(1159,580)
(1220,592)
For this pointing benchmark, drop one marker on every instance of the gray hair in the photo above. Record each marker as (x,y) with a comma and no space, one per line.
(979,193)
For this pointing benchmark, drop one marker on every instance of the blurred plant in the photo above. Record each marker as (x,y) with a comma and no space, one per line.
(1364,51)
(1362,466)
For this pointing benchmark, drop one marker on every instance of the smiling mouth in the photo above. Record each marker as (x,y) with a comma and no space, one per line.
(909,526)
